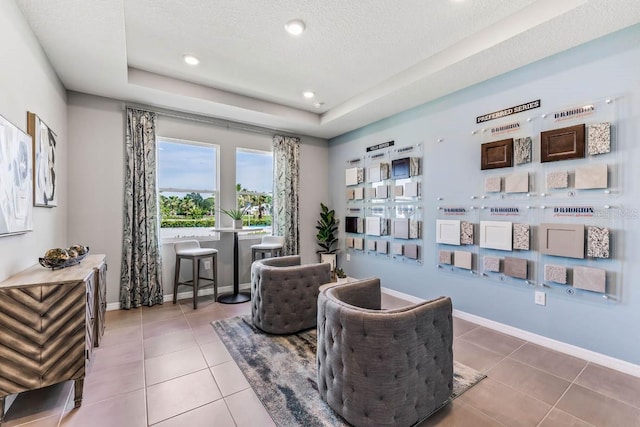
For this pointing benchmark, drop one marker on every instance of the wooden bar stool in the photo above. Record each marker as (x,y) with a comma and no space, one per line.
(191,250)
(271,245)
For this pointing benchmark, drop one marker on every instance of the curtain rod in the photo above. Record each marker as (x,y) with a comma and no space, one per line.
(228,124)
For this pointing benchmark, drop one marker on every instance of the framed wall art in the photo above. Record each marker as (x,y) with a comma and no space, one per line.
(497,154)
(16,180)
(44,162)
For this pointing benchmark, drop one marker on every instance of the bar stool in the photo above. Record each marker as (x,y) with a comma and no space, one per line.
(191,250)
(270,244)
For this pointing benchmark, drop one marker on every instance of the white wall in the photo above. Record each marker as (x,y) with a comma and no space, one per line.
(28,83)
(96,137)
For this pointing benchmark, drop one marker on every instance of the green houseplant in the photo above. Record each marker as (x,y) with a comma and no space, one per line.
(327,227)
(236,215)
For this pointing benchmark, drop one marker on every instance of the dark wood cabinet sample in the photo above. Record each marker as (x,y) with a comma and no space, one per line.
(497,154)
(562,144)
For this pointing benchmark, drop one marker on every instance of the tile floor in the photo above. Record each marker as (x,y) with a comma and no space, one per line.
(164,366)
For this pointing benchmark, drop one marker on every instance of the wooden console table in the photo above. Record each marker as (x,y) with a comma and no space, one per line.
(50,320)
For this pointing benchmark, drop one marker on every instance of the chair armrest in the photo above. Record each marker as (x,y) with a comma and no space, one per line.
(365,293)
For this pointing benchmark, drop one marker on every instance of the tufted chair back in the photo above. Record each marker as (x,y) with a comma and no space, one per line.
(383,367)
(285,294)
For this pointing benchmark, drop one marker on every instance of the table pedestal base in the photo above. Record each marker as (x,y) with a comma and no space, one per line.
(234,298)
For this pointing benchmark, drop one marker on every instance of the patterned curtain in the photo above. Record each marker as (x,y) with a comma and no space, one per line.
(286,156)
(141,274)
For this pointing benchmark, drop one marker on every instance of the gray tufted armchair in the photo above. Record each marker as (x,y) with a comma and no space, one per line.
(382,367)
(284,294)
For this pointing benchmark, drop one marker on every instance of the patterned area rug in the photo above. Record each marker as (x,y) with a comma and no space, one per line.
(282,372)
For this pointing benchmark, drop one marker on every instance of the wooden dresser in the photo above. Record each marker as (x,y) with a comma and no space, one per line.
(50,320)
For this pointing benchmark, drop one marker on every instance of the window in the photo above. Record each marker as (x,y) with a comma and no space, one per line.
(188,188)
(254,186)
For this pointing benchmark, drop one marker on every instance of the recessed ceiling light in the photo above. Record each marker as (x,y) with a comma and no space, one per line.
(295,27)
(308,94)
(191,60)
(318,104)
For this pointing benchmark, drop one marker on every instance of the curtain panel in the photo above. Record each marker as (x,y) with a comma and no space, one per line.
(141,269)
(286,158)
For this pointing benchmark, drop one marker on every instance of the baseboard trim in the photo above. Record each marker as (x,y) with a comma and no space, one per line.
(562,347)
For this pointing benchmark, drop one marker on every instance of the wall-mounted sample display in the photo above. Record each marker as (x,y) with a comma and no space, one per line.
(592,177)
(411,189)
(590,279)
(354,176)
(555,273)
(522,150)
(496,235)
(373,226)
(493,184)
(400,228)
(515,267)
(400,168)
(521,237)
(415,228)
(444,257)
(565,240)
(463,259)
(358,243)
(598,138)
(517,183)
(382,191)
(497,154)
(351,224)
(448,231)
(466,233)
(396,248)
(411,251)
(378,172)
(349,242)
(562,144)
(382,246)
(491,263)
(371,245)
(557,179)
(358,193)
(351,194)
(598,242)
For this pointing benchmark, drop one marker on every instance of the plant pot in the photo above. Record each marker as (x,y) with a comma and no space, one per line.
(342,280)
(329,259)
(237,224)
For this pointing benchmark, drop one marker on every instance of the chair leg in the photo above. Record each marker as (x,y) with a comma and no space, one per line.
(176,279)
(215,277)
(196,279)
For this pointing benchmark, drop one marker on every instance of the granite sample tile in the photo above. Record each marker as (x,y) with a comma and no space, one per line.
(414,166)
(565,240)
(358,243)
(349,242)
(444,257)
(463,259)
(351,194)
(385,171)
(358,193)
(384,226)
(382,246)
(373,174)
(415,229)
(360,172)
(598,138)
(466,233)
(517,183)
(448,231)
(396,248)
(360,225)
(592,176)
(493,184)
(557,179)
(354,176)
(598,242)
(398,191)
(400,228)
(412,189)
(411,251)
(370,192)
(373,226)
(522,150)
(521,236)
(382,192)
(515,267)
(590,279)
(496,235)
(491,263)
(555,273)
(371,245)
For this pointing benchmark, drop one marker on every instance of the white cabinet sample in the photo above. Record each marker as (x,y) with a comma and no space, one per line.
(448,231)
(496,235)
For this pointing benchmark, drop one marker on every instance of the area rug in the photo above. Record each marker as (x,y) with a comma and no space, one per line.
(282,371)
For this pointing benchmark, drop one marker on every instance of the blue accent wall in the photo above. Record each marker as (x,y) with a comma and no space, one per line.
(606,67)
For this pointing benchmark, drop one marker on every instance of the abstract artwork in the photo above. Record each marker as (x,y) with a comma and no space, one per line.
(498,154)
(565,240)
(517,183)
(591,177)
(463,259)
(496,235)
(590,279)
(16,180)
(491,263)
(466,233)
(557,179)
(522,150)
(555,273)
(562,144)
(448,231)
(44,155)
(444,257)
(493,184)
(598,242)
(598,138)
(521,237)
(515,267)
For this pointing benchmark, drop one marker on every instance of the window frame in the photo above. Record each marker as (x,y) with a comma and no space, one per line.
(268,229)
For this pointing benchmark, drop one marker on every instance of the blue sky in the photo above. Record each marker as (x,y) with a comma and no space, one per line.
(193,166)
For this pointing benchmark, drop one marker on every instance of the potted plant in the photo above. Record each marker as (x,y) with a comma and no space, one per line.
(341,276)
(236,215)
(327,227)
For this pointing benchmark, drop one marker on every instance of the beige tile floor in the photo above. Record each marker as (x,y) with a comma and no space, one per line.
(164,366)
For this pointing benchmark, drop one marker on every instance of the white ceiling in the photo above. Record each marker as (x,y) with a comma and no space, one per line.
(365,59)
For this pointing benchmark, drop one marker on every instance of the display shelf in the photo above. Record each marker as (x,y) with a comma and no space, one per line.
(456,231)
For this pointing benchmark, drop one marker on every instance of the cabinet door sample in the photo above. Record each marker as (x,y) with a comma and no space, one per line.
(373,226)
(498,154)
(598,138)
(448,231)
(496,235)
(463,259)
(517,183)
(400,228)
(562,144)
(515,267)
(373,174)
(565,240)
(590,279)
(353,176)
(592,176)
(351,224)
(400,168)
(555,273)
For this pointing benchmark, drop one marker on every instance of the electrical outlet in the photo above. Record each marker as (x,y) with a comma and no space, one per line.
(207,265)
(348,257)
(541,298)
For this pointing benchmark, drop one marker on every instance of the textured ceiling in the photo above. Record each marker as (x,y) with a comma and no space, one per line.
(365,59)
